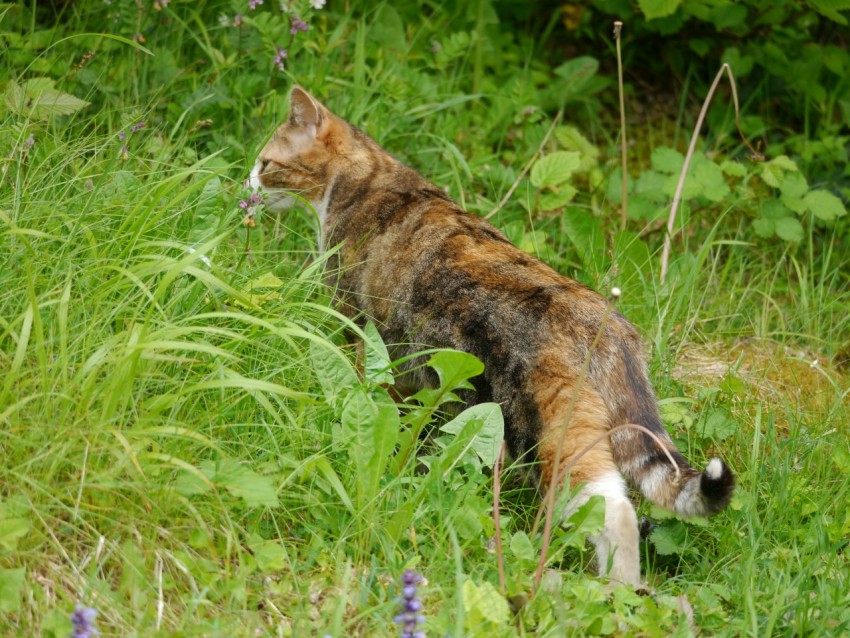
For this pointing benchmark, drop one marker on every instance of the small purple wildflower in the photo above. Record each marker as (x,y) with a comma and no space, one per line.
(253,4)
(29,142)
(409,619)
(279,57)
(121,135)
(83,621)
(137,126)
(250,205)
(298,25)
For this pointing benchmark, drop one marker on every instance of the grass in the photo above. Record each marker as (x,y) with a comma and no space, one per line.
(172,433)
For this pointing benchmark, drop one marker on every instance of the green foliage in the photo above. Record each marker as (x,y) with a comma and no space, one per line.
(188,446)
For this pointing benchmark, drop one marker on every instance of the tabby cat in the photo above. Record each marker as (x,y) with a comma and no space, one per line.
(427,272)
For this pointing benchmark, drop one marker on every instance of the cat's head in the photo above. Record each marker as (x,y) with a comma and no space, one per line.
(306,153)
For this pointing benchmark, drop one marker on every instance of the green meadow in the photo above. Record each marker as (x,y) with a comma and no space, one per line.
(189,442)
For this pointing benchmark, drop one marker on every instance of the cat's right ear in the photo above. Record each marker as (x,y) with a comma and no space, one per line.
(304,111)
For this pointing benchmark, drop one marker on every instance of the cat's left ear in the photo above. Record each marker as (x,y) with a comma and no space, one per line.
(305,111)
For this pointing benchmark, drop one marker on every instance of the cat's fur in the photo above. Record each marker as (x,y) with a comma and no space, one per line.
(428,272)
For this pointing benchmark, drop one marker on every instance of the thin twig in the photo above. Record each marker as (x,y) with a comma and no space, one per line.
(497,489)
(618,26)
(671,220)
(626,426)
(527,166)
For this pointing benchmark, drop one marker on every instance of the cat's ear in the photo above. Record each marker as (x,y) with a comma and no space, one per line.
(305,111)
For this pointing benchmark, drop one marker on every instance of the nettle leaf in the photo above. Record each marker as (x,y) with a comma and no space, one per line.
(653,9)
(824,205)
(710,177)
(378,364)
(670,537)
(733,169)
(554,169)
(773,172)
(487,442)
(667,160)
(789,229)
(571,139)
(38,99)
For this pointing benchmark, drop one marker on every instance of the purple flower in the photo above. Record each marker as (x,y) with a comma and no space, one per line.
(137,126)
(249,206)
(253,4)
(83,621)
(29,142)
(121,135)
(298,25)
(279,57)
(409,619)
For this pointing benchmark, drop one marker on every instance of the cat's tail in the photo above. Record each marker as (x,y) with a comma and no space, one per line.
(677,486)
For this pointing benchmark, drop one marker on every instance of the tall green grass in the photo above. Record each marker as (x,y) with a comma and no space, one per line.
(171,451)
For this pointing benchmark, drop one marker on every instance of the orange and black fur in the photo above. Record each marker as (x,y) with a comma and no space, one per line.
(428,272)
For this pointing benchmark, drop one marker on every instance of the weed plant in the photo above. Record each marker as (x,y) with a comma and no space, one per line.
(186,445)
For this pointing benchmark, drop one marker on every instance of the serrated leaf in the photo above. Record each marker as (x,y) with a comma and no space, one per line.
(733,169)
(773,172)
(719,424)
(553,201)
(487,443)
(824,205)
(710,178)
(669,538)
(764,227)
(789,229)
(51,103)
(667,160)
(653,9)
(11,584)
(554,169)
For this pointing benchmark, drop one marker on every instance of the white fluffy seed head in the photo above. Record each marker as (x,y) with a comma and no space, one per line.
(615,292)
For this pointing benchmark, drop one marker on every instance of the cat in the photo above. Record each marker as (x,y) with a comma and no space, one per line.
(426,271)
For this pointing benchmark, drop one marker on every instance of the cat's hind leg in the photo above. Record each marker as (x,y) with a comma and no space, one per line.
(594,473)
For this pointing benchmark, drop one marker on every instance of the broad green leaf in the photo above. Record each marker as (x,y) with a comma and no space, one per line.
(241,481)
(741,65)
(764,227)
(467,523)
(576,74)
(719,424)
(454,369)
(335,373)
(667,160)
(554,169)
(522,548)
(653,9)
(773,172)
(377,364)
(487,443)
(370,425)
(484,604)
(11,585)
(670,537)
(824,205)
(588,519)
(710,178)
(733,169)
(554,201)
(789,229)
(270,555)
(11,531)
